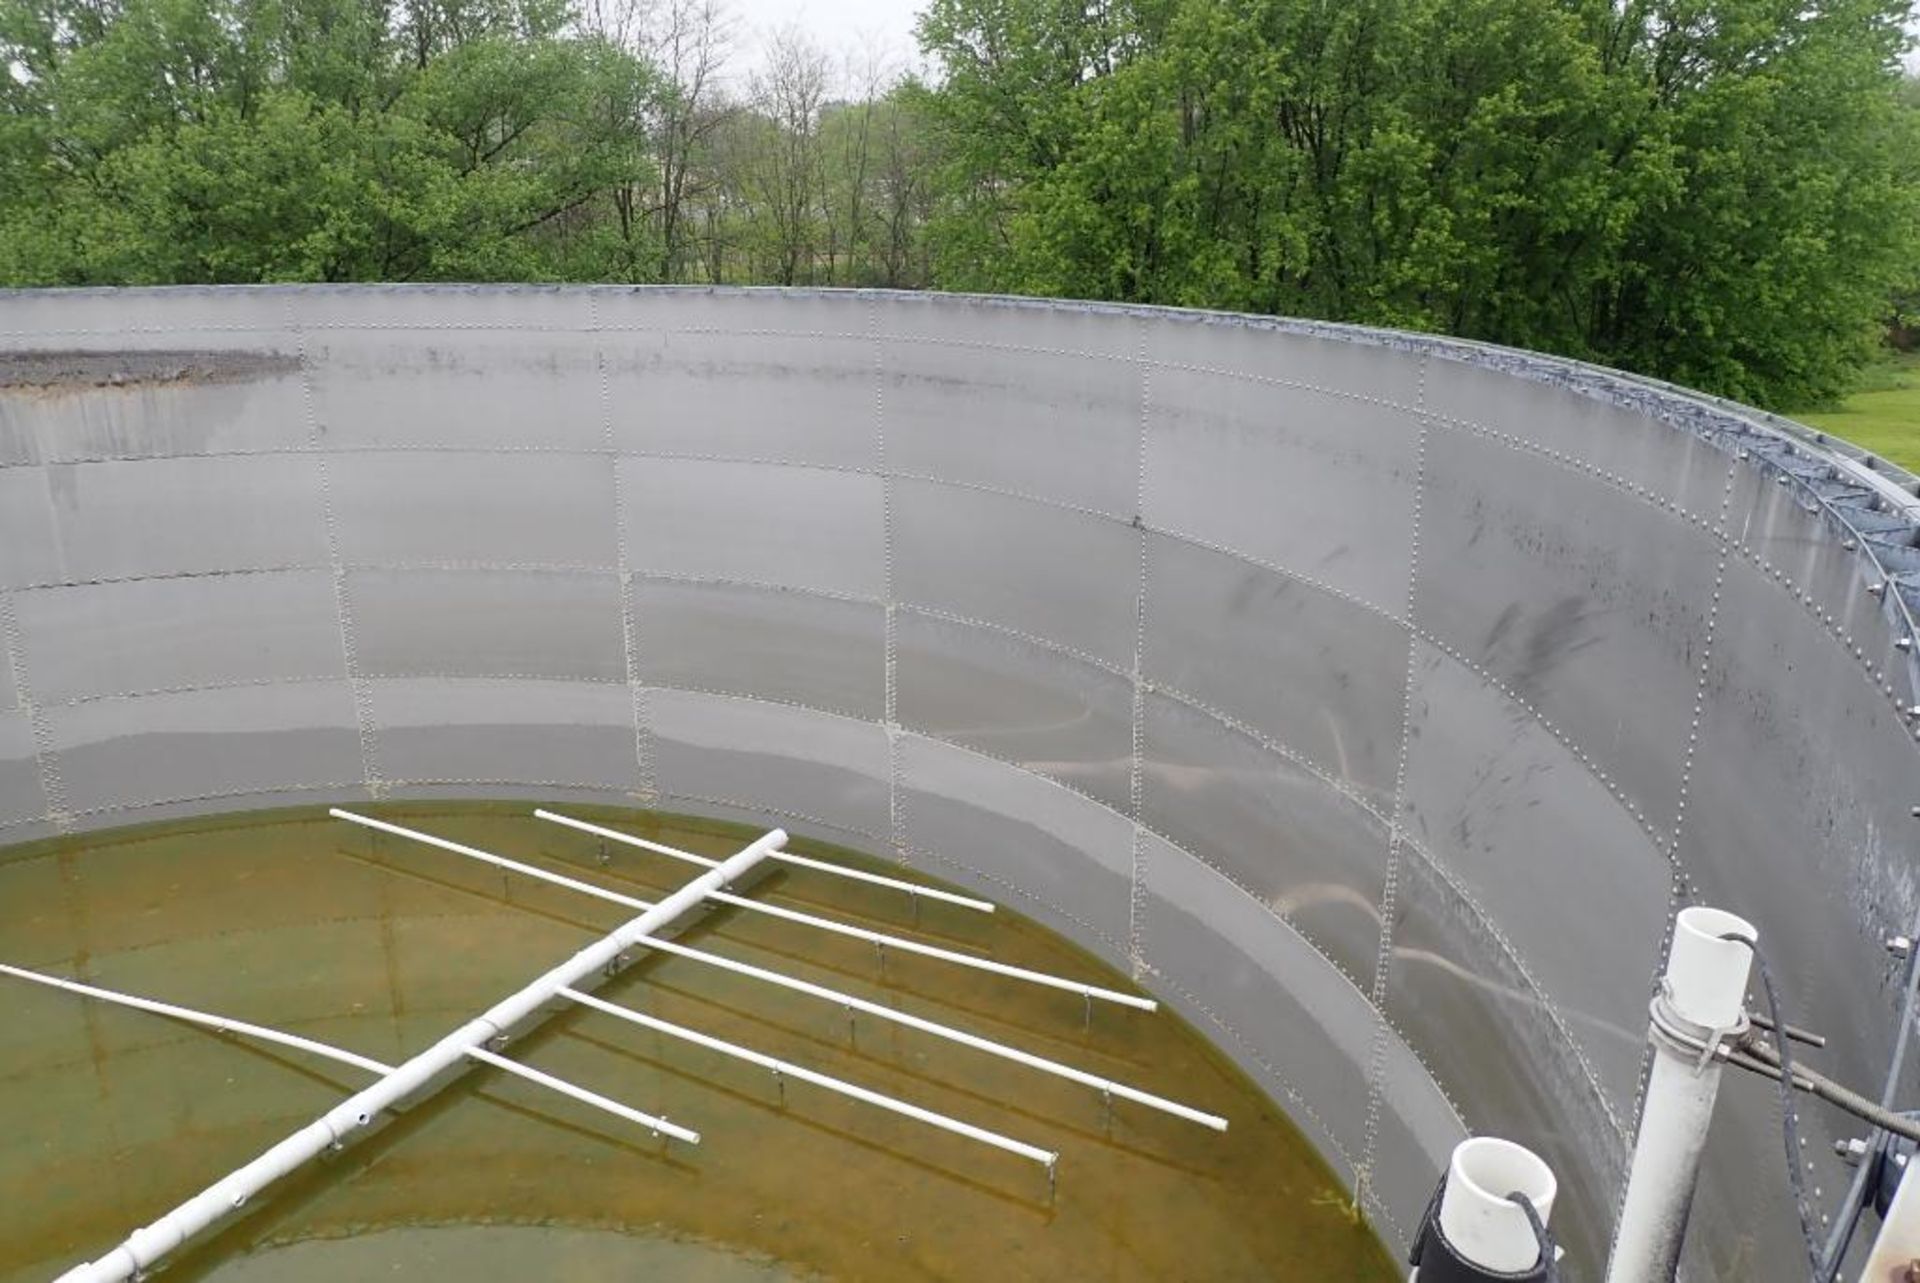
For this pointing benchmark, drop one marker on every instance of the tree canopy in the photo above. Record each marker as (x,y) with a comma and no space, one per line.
(1721,192)
(155,141)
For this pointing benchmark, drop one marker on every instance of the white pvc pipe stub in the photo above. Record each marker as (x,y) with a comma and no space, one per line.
(1482,1224)
(1706,974)
(1702,998)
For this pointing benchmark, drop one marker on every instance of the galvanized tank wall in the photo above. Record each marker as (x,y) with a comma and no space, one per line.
(1375,698)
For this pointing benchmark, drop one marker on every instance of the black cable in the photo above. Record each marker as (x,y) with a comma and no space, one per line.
(1789,1123)
(1549,1253)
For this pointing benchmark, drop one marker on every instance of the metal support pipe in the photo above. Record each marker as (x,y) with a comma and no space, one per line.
(772,910)
(1701,1001)
(785,857)
(350,1120)
(839,1086)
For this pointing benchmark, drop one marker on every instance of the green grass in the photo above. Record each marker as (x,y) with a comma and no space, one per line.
(1884,415)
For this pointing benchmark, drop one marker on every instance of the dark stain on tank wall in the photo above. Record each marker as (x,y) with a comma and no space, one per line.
(52,373)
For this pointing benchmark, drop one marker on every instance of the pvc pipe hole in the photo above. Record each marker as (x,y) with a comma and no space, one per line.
(1712,924)
(1479,1219)
(1494,1168)
(1707,974)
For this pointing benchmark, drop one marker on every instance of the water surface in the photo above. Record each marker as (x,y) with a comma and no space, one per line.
(291,919)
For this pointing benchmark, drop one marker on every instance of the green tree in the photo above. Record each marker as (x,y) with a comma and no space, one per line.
(247,140)
(1719,191)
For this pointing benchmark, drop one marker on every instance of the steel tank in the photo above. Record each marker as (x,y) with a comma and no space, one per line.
(1376,699)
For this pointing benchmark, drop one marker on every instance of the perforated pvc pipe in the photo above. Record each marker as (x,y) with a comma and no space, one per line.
(351,1119)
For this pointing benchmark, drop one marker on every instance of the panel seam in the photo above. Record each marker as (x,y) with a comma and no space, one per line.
(889,603)
(1681,889)
(357,686)
(1136,773)
(1389,893)
(46,756)
(623,563)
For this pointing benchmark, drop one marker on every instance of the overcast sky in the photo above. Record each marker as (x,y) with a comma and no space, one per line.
(841,26)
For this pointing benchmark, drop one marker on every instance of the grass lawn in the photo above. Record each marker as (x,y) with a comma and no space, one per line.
(1884,416)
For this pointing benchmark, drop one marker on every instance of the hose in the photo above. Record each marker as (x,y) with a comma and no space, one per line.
(1789,1118)
(1549,1251)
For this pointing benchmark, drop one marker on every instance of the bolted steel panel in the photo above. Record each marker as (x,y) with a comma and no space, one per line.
(213,630)
(21,798)
(494,732)
(214,747)
(1041,848)
(444,507)
(487,623)
(1040,708)
(776,524)
(778,644)
(1031,568)
(1253,653)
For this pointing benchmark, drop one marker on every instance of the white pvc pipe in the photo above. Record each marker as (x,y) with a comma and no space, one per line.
(948,1032)
(772,910)
(497,861)
(1707,973)
(1706,981)
(222,1024)
(1483,1225)
(348,1121)
(1897,1246)
(581,1094)
(848,1000)
(934,951)
(785,857)
(206,1019)
(1046,1158)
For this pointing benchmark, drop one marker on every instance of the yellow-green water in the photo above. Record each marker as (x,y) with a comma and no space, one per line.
(109,1117)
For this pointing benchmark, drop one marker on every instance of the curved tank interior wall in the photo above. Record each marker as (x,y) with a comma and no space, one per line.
(1375,699)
